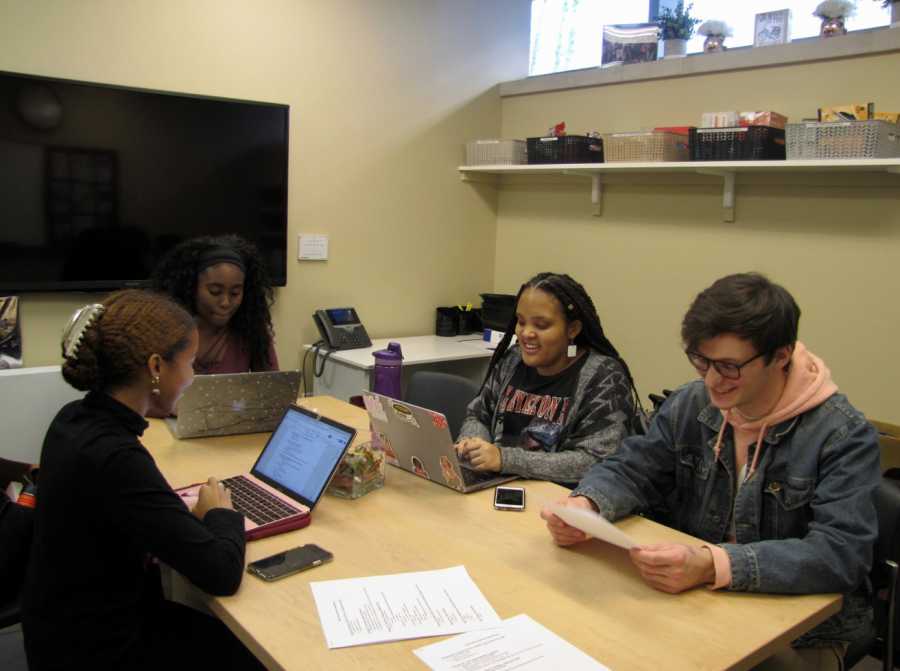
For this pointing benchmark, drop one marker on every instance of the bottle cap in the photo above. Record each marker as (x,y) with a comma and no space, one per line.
(392,356)
(26,499)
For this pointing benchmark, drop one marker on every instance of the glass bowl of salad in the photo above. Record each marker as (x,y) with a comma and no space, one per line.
(361,470)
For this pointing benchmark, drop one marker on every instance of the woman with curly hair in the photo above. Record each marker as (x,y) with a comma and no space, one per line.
(222,282)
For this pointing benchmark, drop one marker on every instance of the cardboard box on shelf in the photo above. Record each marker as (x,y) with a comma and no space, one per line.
(772,119)
(853,112)
(720,119)
(893,117)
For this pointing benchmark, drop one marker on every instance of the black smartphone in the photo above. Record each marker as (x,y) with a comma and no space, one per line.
(509,498)
(289,562)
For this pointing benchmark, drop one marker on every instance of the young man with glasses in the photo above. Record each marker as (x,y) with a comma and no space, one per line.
(762,459)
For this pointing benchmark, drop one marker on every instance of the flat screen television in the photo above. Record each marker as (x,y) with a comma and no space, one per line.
(98,181)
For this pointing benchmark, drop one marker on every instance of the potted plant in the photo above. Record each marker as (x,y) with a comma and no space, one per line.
(676,27)
(833,14)
(895,10)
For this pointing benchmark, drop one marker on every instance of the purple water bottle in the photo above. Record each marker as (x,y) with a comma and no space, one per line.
(387,371)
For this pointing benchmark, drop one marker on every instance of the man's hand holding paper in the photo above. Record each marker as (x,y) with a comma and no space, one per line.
(570,520)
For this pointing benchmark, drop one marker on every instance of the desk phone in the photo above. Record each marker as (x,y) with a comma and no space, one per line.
(340,328)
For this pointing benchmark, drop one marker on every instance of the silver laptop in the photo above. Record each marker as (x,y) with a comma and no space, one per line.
(225,405)
(419,441)
(289,477)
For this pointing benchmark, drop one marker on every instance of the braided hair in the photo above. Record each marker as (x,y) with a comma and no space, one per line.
(574,303)
(116,344)
(176,275)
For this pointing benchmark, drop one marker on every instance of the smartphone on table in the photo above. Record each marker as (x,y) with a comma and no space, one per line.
(509,498)
(289,562)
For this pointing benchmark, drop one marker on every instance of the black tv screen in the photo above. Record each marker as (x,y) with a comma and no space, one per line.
(98,181)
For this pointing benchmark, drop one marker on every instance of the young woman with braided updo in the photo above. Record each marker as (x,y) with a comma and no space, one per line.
(93,595)
(559,400)
(222,282)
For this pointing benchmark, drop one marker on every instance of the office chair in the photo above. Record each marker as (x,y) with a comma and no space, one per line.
(883,577)
(447,394)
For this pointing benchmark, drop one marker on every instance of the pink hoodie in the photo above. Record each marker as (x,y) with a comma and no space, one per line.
(808,384)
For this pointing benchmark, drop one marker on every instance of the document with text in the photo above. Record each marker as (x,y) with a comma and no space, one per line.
(521,644)
(359,611)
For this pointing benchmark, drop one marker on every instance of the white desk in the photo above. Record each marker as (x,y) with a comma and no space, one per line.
(29,400)
(348,372)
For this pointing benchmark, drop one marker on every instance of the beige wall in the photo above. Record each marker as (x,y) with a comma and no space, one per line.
(659,241)
(383,97)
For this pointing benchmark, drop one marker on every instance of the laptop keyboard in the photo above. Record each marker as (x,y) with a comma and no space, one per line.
(255,503)
(471,477)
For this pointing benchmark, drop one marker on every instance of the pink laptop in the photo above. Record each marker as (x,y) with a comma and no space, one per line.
(289,477)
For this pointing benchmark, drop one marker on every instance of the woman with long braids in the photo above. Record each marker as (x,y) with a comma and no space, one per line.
(559,400)
(222,282)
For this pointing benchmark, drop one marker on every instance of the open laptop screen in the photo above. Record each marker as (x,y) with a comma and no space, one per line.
(302,454)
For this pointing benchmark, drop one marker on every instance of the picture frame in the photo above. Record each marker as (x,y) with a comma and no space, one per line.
(772,28)
(630,43)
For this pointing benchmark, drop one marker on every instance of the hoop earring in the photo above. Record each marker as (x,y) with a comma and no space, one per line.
(155,391)
(572,350)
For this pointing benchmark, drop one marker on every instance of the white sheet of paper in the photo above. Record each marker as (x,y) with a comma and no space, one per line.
(521,644)
(359,611)
(592,523)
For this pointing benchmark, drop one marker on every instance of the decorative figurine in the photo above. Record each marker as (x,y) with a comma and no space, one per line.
(833,14)
(716,32)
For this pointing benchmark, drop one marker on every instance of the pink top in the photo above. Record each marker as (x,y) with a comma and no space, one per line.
(236,359)
(807,386)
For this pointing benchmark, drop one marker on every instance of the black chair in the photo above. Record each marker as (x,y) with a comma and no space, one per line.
(447,394)
(884,579)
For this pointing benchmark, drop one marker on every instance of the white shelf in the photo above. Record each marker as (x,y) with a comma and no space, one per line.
(725,169)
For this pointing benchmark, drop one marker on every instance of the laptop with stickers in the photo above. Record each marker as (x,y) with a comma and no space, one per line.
(235,403)
(418,440)
(289,477)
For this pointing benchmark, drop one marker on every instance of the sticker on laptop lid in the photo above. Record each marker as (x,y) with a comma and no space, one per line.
(438,420)
(374,408)
(449,474)
(405,413)
(382,441)
(418,468)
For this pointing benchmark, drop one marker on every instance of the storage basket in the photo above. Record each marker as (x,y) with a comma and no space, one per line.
(645,147)
(869,138)
(496,152)
(739,143)
(565,149)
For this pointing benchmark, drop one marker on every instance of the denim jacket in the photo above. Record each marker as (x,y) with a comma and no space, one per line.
(805,521)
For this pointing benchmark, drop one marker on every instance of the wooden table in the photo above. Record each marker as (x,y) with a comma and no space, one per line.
(591,594)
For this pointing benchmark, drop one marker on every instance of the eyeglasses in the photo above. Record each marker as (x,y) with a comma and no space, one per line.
(726,369)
